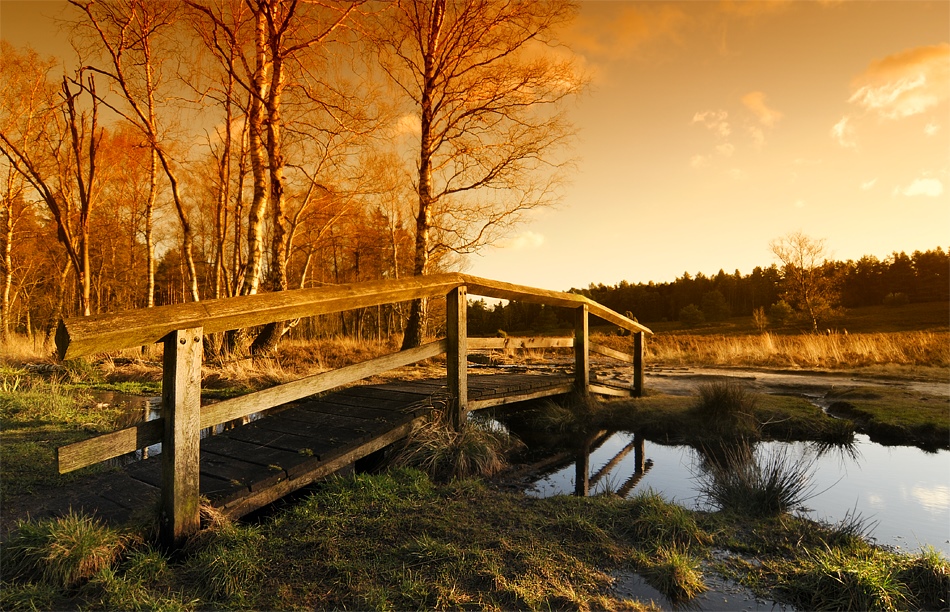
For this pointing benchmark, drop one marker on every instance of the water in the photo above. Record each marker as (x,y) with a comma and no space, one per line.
(904,489)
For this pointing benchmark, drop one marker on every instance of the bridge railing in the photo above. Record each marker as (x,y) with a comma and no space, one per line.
(181,327)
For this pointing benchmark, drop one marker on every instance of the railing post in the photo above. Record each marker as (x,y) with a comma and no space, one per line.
(181,396)
(581,351)
(638,352)
(456,356)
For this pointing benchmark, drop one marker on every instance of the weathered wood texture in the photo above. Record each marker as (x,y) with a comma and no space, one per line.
(456,356)
(606,351)
(108,332)
(581,351)
(639,348)
(512,343)
(252,465)
(141,435)
(181,396)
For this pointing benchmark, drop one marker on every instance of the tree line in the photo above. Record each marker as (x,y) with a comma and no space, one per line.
(923,276)
(212,148)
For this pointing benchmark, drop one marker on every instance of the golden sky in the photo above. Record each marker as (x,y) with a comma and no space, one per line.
(712,128)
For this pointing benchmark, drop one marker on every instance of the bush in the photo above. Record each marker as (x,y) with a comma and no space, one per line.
(896,299)
(691,316)
(781,313)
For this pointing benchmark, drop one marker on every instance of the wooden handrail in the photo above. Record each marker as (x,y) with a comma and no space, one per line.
(80,336)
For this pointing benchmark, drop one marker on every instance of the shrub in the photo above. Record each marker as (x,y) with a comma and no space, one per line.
(781,313)
(64,552)
(691,316)
(896,299)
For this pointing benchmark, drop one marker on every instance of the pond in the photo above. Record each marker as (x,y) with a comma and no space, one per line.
(904,490)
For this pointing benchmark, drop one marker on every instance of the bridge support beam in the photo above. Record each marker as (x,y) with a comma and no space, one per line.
(456,355)
(581,351)
(638,353)
(181,397)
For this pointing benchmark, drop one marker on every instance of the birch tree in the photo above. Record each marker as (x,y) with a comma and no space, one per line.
(807,287)
(485,83)
(126,33)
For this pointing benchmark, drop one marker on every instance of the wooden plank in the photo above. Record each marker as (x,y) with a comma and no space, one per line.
(108,332)
(559,389)
(80,454)
(530,342)
(266,496)
(508,291)
(581,352)
(610,391)
(311,415)
(606,351)
(639,346)
(260,401)
(150,472)
(235,470)
(316,432)
(181,405)
(369,413)
(456,354)
(287,460)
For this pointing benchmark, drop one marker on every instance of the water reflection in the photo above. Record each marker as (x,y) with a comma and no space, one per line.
(904,490)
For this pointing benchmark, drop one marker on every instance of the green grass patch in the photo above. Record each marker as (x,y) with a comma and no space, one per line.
(895,415)
(399,541)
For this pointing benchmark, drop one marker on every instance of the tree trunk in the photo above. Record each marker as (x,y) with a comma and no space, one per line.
(416,325)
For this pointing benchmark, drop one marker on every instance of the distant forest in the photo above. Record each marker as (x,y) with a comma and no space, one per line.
(900,278)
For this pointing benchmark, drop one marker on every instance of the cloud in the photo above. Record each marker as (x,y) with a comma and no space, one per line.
(524,241)
(726,149)
(799,203)
(843,132)
(755,102)
(407,124)
(906,83)
(868,185)
(931,128)
(699,161)
(617,30)
(930,187)
(715,121)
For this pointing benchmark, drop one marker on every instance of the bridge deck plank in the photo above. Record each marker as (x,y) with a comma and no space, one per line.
(286,450)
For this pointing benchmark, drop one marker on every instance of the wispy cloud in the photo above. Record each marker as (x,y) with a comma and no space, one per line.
(931,128)
(524,241)
(930,187)
(716,121)
(906,83)
(843,133)
(755,102)
(868,185)
(618,30)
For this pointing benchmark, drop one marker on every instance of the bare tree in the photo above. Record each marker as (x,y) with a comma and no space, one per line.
(485,84)
(807,286)
(124,33)
(52,144)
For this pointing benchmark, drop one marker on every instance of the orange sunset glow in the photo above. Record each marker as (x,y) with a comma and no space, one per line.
(711,128)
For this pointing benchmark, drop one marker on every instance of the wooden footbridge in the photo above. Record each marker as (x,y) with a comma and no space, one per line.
(308,432)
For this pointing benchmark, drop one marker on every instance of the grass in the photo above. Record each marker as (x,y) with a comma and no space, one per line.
(481,448)
(743,480)
(895,415)
(399,541)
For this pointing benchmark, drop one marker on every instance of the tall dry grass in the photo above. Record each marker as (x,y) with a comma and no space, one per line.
(925,349)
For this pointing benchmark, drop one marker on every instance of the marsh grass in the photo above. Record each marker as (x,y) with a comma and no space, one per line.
(674,572)
(748,481)
(63,552)
(834,351)
(480,449)
(225,564)
(728,410)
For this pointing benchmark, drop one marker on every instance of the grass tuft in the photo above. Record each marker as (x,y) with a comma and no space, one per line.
(227,563)
(675,573)
(839,580)
(657,523)
(744,481)
(728,409)
(64,552)
(481,448)
(928,573)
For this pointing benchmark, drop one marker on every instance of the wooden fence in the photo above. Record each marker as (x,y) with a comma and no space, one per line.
(181,328)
